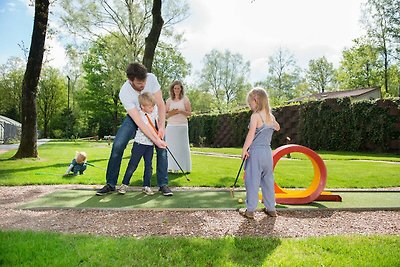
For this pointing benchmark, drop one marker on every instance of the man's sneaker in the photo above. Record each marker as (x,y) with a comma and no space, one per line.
(270,213)
(147,190)
(122,189)
(247,214)
(107,189)
(165,190)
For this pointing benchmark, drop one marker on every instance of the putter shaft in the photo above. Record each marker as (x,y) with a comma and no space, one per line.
(178,164)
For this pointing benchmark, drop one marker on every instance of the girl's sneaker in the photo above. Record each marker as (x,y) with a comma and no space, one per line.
(147,190)
(122,189)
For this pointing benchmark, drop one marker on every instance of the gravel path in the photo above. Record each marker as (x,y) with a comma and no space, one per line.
(209,224)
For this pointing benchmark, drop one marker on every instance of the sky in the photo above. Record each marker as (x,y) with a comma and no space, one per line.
(16,25)
(255,29)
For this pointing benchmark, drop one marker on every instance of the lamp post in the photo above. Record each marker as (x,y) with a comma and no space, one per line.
(68,111)
(69,82)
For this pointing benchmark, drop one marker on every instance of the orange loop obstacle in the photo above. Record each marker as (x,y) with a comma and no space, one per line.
(291,196)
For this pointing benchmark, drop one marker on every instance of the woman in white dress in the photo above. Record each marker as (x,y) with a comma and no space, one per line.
(178,108)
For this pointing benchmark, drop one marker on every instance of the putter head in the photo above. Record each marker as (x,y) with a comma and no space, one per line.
(231,192)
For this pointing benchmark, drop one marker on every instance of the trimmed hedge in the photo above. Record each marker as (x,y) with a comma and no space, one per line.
(339,124)
(332,124)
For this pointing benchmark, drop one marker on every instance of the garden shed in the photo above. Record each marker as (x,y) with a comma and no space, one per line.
(9,129)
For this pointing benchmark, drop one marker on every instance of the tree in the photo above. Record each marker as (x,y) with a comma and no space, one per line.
(224,75)
(200,101)
(394,25)
(104,73)
(51,97)
(169,65)
(127,20)
(11,76)
(360,67)
(379,30)
(28,146)
(320,74)
(154,34)
(74,71)
(283,76)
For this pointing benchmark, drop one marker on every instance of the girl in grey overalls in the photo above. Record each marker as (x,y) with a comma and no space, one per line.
(258,154)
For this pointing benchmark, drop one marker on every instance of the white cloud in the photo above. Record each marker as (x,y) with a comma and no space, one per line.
(55,55)
(308,29)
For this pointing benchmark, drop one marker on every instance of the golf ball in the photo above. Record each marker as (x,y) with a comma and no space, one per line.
(240,200)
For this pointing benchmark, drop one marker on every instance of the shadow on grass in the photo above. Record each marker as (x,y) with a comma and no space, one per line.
(116,200)
(33,168)
(228,251)
(245,253)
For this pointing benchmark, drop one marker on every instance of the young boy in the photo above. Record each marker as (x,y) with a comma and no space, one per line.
(78,164)
(142,146)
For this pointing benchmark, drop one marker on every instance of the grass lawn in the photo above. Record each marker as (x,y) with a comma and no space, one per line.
(325,155)
(51,249)
(21,248)
(207,171)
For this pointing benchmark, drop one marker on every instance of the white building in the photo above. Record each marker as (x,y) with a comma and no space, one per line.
(9,129)
(354,95)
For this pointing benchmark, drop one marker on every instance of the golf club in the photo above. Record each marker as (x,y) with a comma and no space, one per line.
(155,129)
(240,169)
(48,173)
(90,164)
(237,176)
(178,164)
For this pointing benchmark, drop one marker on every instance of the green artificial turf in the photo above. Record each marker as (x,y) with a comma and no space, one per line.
(191,199)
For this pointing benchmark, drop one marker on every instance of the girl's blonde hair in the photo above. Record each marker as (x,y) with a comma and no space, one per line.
(261,97)
(171,90)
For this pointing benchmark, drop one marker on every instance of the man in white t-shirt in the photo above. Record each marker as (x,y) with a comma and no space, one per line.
(139,81)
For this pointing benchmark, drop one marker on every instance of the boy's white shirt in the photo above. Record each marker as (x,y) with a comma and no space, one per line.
(140,137)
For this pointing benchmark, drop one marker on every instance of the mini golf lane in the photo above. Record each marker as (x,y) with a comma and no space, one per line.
(213,200)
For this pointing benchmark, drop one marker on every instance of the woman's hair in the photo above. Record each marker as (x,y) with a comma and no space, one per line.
(261,98)
(171,90)
(136,71)
(146,98)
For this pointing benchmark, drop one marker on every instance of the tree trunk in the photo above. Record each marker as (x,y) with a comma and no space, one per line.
(45,126)
(28,145)
(154,35)
(386,70)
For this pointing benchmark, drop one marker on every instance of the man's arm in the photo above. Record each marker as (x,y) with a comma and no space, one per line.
(161,113)
(134,114)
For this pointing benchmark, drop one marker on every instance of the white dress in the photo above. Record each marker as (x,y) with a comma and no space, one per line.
(177,138)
